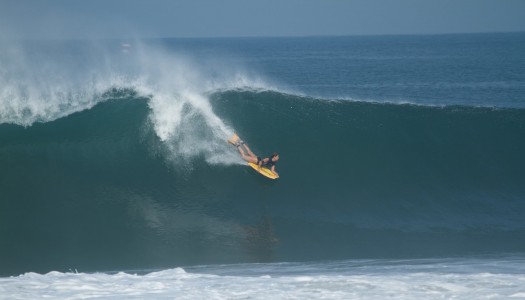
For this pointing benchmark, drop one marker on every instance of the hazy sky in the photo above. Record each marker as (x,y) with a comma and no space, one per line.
(225,18)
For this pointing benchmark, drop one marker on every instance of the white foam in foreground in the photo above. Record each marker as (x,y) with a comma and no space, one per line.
(480,279)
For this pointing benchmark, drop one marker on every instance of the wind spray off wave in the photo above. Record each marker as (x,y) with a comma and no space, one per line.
(55,81)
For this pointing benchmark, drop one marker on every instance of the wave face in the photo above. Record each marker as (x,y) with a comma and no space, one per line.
(107,189)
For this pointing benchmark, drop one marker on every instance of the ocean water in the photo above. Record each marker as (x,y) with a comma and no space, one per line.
(402,168)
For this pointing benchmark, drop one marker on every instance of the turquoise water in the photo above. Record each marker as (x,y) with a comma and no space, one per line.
(113,154)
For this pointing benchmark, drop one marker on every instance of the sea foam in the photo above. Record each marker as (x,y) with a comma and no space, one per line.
(461,279)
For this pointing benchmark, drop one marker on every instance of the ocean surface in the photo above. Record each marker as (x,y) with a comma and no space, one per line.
(402,168)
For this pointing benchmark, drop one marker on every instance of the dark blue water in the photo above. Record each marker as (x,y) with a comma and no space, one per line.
(468,69)
(391,147)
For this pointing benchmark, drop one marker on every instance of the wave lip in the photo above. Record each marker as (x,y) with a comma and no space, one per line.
(43,86)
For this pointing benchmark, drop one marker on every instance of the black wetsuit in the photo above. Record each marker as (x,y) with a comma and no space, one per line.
(268,164)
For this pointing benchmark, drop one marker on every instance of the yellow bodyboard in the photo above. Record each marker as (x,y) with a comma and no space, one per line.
(264,171)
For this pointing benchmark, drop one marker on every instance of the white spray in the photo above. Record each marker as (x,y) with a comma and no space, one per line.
(43,86)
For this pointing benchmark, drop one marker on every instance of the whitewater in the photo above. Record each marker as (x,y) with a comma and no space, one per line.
(117,183)
(368,279)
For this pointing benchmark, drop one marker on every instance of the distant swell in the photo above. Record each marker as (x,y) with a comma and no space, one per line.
(104,189)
